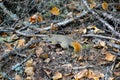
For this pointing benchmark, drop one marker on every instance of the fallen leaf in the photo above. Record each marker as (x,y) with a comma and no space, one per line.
(84,31)
(29,71)
(18,77)
(92,5)
(39,51)
(1,76)
(29,63)
(102,43)
(9,46)
(81,74)
(28,78)
(55,11)
(109,56)
(57,76)
(44,55)
(96,30)
(47,60)
(105,5)
(95,74)
(19,43)
(53,27)
(48,71)
(35,18)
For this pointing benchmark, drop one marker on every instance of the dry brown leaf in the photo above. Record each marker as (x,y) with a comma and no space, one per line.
(39,51)
(18,77)
(57,76)
(80,58)
(94,74)
(55,11)
(92,5)
(116,50)
(109,56)
(35,18)
(81,74)
(9,46)
(102,43)
(3,34)
(105,5)
(29,63)
(1,77)
(53,27)
(47,60)
(96,30)
(48,71)
(28,78)
(29,71)
(21,43)
(44,55)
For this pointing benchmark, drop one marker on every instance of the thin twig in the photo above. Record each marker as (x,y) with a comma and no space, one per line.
(13,16)
(6,55)
(100,36)
(63,23)
(101,19)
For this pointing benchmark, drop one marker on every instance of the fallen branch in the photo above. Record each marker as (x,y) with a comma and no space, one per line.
(5,10)
(13,52)
(63,23)
(100,36)
(101,19)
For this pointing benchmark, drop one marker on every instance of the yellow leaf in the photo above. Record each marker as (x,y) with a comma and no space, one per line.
(57,75)
(105,5)
(55,11)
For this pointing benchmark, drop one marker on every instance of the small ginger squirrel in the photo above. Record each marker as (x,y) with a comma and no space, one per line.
(64,41)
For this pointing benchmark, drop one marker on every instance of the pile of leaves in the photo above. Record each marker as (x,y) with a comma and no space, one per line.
(24,55)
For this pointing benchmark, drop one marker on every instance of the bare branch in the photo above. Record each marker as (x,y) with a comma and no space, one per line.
(100,36)
(13,16)
(101,19)
(63,23)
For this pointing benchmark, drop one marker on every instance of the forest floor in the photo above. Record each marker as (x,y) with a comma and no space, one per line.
(26,55)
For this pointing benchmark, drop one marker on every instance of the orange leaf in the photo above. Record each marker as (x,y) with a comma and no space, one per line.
(36,17)
(109,56)
(21,43)
(105,5)
(55,11)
